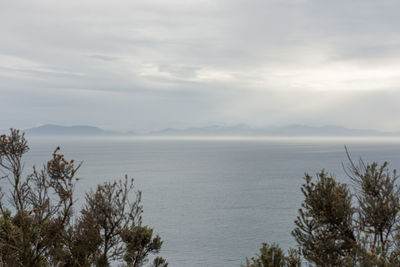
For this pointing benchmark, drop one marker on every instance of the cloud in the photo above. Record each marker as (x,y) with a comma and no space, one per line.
(103,57)
(199,62)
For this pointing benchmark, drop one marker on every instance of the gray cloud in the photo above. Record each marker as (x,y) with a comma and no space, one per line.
(153,64)
(103,57)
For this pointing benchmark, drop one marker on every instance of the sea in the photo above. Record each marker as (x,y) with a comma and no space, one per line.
(213,201)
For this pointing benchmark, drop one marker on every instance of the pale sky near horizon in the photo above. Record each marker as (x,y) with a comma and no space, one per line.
(146,65)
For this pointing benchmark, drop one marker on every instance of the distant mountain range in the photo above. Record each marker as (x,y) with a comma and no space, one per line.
(238,130)
(79,130)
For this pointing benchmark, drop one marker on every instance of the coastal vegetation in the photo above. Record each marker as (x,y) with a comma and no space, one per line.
(39,225)
(339,224)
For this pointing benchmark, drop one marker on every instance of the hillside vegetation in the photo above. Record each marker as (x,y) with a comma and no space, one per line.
(343,225)
(38,225)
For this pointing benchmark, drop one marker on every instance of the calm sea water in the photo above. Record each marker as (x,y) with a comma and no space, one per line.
(214,202)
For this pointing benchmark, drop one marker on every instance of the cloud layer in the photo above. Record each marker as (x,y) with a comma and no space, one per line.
(143,65)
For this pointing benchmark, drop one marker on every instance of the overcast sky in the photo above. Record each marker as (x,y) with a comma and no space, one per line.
(145,65)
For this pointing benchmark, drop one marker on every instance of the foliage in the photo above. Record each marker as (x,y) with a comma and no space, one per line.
(38,226)
(342,225)
(324,229)
(273,256)
(139,243)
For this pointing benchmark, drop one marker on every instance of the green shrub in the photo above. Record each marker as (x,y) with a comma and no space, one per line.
(38,227)
(339,225)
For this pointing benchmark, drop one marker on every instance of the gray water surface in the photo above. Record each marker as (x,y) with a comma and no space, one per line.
(213,202)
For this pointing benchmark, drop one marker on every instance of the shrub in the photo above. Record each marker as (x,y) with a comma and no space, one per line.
(339,225)
(38,226)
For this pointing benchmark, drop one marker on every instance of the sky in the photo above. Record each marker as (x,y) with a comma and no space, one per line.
(147,65)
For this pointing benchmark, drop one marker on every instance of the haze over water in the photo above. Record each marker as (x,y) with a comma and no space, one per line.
(214,201)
